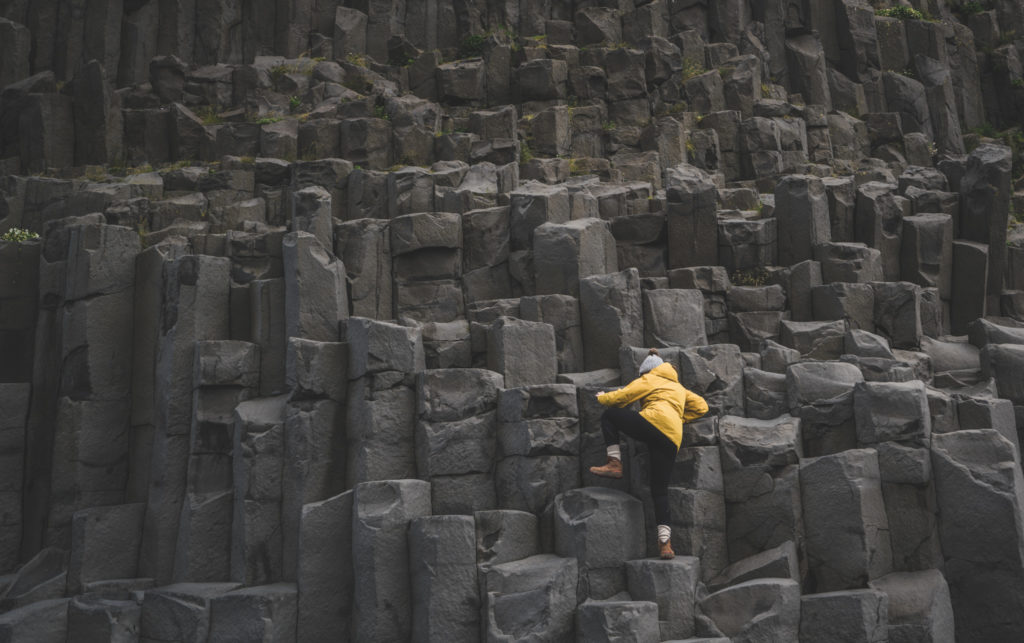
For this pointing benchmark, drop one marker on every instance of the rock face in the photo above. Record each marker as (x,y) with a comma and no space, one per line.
(308,343)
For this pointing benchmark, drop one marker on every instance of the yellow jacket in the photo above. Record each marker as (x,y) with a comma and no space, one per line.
(666,404)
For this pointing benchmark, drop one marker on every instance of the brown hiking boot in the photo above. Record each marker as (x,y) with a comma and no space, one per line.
(611,469)
(666,551)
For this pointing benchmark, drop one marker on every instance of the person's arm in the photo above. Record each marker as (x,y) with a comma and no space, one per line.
(696,407)
(626,395)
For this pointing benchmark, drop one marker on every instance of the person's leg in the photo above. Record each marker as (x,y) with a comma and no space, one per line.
(662,458)
(612,420)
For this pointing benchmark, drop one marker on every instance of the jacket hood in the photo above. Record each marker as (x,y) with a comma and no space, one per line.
(665,370)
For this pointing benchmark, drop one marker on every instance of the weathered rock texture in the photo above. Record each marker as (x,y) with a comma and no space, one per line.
(308,345)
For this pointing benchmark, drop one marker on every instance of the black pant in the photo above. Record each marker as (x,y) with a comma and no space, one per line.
(615,421)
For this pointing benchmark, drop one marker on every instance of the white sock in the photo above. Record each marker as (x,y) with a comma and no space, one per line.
(664,533)
(615,452)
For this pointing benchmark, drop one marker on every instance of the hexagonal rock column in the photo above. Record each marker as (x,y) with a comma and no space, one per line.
(918,606)
(91,432)
(104,544)
(801,208)
(505,535)
(846,528)
(909,491)
(891,412)
(762,483)
(538,447)
(612,315)
(312,214)
(522,351)
(445,596)
(455,437)
(257,464)
(41,621)
(364,246)
(381,410)
(530,599)
(617,620)
(180,612)
(879,221)
(860,615)
(980,494)
(758,610)
(821,395)
(315,290)
(672,586)
(92,617)
(563,313)
(714,372)
(14,405)
(382,609)
(698,527)
(567,252)
(196,287)
(674,317)
(602,529)
(427,265)
(226,373)
(777,562)
(985,193)
(1003,362)
(692,222)
(261,613)
(325,576)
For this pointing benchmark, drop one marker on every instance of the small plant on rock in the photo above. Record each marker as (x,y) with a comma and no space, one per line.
(294,103)
(902,13)
(472,46)
(691,68)
(356,59)
(17,235)
(209,114)
(751,277)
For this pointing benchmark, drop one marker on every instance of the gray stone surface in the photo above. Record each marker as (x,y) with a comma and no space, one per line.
(534,598)
(802,213)
(612,314)
(522,351)
(762,484)
(672,585)
(919,606)
(853,615)
(821,395)
(325,578)
(892,412)
(777,562)
(315,290)
(673,318)
(974,477)
(845,489)
(254,613)
(382,512)
(764,609)
(598,527)
(613,620)
(445,598)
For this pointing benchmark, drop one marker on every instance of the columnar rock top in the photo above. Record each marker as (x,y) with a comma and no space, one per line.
(308,344)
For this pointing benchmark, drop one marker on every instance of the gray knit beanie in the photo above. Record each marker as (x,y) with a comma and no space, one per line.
(650,361)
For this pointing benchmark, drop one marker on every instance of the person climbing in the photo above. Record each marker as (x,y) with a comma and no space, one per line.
(659,424)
